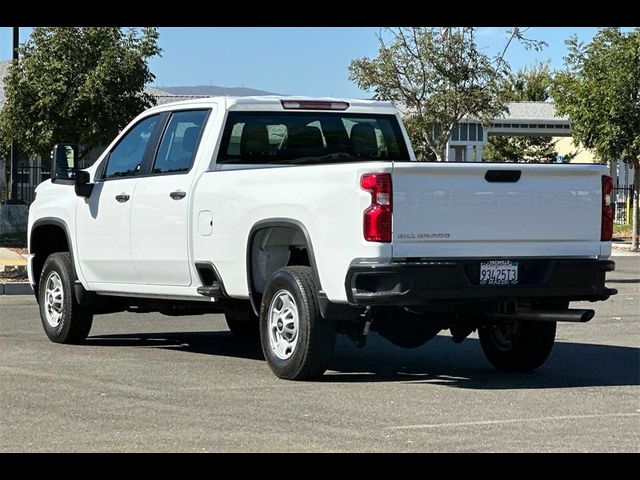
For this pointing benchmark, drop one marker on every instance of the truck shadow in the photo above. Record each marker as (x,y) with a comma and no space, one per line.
(439,362)
(222,344)
(442,362)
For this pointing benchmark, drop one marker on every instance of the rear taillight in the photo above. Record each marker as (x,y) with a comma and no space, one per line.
(377,217)
(606,226)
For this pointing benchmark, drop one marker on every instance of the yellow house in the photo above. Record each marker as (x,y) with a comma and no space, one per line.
(565,146)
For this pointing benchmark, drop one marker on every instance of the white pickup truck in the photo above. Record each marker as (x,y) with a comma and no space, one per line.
(301,218)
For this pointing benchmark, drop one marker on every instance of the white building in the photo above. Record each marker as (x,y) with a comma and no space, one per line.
(530,119)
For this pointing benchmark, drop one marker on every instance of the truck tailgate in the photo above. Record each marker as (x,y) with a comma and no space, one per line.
(443,210)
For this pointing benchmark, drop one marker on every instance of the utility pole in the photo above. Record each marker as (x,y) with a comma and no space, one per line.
(14,144)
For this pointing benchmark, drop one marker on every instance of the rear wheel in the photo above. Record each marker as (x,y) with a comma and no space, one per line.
(297,342)
(517,345)
(63,319)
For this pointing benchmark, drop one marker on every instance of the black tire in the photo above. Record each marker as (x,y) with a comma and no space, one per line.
(316,336)
(243,323)
(518,346)
(74,321)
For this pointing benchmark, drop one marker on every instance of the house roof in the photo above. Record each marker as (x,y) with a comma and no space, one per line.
(163,97)
(522,111)
(532,111)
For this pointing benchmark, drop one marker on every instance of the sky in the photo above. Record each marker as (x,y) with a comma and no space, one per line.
(300,61)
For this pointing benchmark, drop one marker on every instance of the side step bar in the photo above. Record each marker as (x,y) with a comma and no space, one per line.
(213,291)
(570,315)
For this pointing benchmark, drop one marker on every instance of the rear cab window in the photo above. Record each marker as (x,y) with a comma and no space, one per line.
(293,138)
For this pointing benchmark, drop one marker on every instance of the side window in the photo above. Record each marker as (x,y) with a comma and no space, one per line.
(178,145)
(126,158)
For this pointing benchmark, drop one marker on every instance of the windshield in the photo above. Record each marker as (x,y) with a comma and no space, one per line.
(309,137)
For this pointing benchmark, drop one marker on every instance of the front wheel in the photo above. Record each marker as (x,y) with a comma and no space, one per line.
(296,341)
(63,319)
(516,345)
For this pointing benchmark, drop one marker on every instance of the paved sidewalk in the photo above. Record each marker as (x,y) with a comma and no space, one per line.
(623,248)
(11,262)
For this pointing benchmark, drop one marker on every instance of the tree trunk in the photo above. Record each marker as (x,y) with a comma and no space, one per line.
(439,154)
(635,201)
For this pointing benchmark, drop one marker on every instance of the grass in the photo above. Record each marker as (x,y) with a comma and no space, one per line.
(13,240)
(622,231)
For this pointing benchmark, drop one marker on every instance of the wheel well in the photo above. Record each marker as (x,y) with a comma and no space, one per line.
(45,240)
(273,248)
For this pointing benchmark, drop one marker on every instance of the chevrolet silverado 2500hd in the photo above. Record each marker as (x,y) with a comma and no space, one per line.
(301,218)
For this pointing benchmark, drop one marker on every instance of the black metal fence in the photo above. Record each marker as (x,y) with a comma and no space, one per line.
(29,177)
(621,200)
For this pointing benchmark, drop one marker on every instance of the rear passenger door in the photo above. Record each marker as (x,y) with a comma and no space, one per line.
(160,208)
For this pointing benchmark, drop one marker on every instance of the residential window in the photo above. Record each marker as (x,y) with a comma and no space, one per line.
(455,135)
(472,132)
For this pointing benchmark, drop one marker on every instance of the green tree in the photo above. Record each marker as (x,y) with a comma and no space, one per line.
(528,85)
(77,85)
(437,76)
(520,149)
(600,92)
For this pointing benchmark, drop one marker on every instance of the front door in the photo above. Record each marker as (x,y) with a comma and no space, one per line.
(103,220)
(160,209)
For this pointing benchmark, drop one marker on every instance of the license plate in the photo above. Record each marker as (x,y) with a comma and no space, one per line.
(499,272)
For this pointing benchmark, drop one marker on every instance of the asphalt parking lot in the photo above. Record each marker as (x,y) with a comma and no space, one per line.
(147,382)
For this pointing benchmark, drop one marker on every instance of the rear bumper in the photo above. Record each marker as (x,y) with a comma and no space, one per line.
(421,282)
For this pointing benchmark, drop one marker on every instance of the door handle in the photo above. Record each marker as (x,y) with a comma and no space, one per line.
(123,197)
(178,195)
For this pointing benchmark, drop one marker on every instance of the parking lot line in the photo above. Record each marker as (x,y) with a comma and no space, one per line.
(511,420)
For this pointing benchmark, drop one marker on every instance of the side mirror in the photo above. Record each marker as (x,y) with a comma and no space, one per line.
(83,186)
(64,163)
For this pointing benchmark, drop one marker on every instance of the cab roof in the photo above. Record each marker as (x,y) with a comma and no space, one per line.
(274,103)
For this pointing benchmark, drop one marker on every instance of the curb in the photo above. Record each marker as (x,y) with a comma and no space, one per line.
(15,289)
